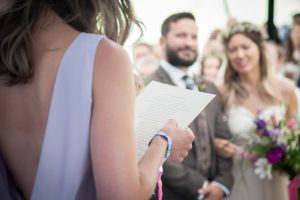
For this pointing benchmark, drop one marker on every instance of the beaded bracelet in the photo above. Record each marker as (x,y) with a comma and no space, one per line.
(169,141)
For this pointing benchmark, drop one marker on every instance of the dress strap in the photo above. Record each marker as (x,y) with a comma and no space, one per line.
(65,156)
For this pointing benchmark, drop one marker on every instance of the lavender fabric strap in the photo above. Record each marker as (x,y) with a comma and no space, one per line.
(64,170)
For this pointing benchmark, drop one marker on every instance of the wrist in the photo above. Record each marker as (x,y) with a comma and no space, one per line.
(163,137)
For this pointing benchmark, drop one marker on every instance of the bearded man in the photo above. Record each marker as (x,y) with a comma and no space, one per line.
(203,174)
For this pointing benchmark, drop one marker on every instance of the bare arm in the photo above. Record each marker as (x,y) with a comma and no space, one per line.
(288,96)
(292,105)
(117,174)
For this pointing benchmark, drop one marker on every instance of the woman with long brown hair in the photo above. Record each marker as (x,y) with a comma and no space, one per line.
(250,86)
(67,102)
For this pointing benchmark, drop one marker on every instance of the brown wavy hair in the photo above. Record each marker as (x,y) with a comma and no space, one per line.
(112,18)
(232,82)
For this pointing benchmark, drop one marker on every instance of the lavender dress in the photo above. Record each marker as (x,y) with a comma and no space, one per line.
(64,170)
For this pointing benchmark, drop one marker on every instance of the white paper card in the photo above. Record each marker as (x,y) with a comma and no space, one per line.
(160,102)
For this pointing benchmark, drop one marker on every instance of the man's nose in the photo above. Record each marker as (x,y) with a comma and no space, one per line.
(191,42)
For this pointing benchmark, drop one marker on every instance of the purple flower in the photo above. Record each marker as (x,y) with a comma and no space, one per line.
(266,132)
(275,133)
(276,154)
(260,124)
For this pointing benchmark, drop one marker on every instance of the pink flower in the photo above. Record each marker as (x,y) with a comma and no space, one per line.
(249,156)
(246,154)
(292,124)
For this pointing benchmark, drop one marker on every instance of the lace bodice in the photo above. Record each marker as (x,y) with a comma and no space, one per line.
(241,120)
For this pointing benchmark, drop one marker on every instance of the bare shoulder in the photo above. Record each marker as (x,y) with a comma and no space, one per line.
(109,52)
(285,81)
(107,46)
(287,90)
(112,62)
(284,86)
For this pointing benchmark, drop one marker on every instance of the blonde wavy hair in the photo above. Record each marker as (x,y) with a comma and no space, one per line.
(233,85)
(138,82)
(112,18)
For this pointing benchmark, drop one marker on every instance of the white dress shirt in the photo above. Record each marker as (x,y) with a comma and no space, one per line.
(176,74)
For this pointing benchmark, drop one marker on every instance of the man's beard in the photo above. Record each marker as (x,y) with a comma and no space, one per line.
(174,59)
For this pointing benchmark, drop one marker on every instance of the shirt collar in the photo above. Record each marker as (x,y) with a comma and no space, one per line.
(174,73)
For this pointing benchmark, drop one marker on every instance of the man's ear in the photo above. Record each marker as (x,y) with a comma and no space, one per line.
(162,41)
(162,44)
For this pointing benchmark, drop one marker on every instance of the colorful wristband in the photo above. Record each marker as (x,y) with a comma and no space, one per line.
(169,141)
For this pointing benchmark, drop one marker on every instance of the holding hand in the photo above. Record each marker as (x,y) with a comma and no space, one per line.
(181,138)
(225,147)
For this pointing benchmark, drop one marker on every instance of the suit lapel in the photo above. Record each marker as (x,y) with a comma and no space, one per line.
(164,76)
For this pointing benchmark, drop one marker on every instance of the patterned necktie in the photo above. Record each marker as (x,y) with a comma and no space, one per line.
(189,83)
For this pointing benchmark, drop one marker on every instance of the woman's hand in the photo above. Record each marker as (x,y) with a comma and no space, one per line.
(181,140)
(225,147)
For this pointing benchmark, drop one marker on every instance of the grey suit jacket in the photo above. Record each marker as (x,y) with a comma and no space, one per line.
(182,181)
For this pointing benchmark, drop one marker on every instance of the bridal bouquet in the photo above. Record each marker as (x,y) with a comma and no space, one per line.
(275,146)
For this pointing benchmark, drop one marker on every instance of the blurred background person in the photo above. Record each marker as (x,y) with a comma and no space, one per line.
(145,58)
(216,34)
(231,22)
(147,65)
(275,54)
(292,51)
(141,50)
(214,45)
(210,66)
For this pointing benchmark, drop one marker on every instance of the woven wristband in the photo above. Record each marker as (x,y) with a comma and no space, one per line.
(169,141)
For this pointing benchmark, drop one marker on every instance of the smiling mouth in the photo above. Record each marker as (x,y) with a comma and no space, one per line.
(187,52)
(241,66)
(190,50)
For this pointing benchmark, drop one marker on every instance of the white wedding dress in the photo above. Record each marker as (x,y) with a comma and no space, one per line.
(247,185)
